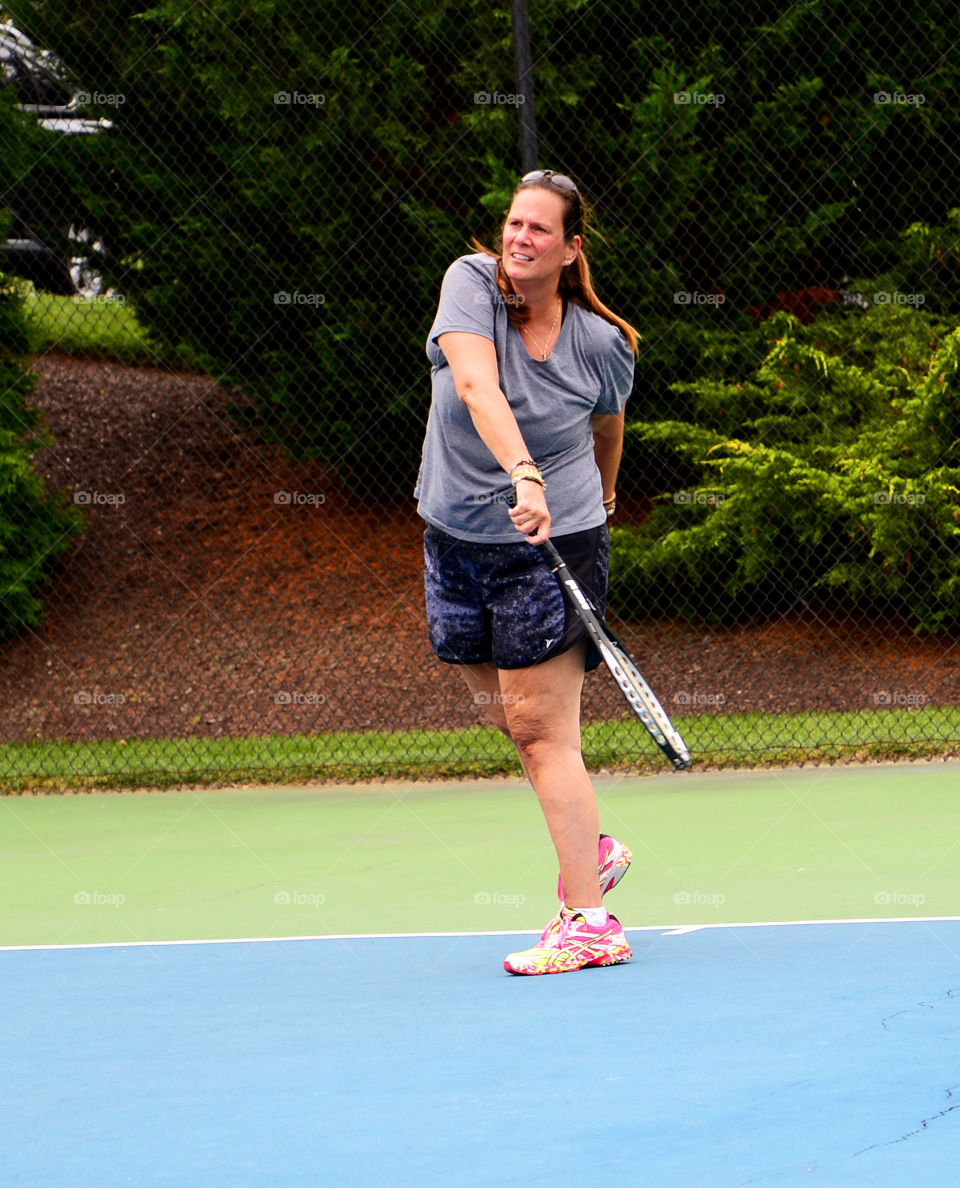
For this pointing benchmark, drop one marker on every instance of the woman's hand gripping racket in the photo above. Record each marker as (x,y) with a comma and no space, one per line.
(636,690)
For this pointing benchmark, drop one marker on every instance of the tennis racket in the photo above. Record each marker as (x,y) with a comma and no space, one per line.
(636,690)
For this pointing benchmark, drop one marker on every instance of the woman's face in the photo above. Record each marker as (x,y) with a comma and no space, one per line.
(534,249)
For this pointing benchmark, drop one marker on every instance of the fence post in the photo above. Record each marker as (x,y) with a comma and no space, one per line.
(524,71)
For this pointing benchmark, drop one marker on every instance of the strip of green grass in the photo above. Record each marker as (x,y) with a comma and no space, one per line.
(93,328)
(714,740)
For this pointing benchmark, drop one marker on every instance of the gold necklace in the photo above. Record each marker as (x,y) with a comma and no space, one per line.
(539,345)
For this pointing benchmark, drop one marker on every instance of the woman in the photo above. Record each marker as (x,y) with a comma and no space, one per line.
(530,377)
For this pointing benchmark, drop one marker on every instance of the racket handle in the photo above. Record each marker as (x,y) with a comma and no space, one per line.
(548,551)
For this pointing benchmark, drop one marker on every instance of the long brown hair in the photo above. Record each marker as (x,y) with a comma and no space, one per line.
(575,283)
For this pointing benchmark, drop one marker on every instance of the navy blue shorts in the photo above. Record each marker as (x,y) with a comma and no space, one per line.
(501,603)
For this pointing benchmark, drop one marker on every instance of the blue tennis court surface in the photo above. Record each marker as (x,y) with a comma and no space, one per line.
(773,1055)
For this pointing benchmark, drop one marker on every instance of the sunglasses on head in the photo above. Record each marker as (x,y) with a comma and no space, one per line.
(560,180)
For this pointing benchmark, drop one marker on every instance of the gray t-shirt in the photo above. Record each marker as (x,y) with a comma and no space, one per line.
(461,487)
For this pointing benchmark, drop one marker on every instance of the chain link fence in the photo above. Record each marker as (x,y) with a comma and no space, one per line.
(224,230)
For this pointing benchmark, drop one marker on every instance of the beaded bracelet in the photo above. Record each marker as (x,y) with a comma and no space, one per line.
(527,470)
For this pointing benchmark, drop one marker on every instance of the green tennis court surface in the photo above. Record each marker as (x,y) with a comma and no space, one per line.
(721,847)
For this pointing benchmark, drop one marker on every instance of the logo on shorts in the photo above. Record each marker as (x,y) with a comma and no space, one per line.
(548,643)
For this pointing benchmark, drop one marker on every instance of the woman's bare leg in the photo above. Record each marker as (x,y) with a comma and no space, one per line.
(539,709)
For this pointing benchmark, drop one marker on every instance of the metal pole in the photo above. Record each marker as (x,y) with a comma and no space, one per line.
(526,109)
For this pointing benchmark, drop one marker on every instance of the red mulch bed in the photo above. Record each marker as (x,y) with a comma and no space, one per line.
(199,604)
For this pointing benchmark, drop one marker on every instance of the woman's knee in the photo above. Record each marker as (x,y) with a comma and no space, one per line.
(528,725)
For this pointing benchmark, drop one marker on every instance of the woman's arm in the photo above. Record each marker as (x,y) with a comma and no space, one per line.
(608,449)
(473,362)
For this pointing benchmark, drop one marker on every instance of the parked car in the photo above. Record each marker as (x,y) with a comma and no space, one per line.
(45,91)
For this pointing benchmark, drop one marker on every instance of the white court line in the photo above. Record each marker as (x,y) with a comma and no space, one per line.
(665,929)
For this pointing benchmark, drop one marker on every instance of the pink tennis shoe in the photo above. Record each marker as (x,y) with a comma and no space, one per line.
(576,946)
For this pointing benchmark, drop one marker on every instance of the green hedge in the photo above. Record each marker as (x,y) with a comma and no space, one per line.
(35,525)
(834,465)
